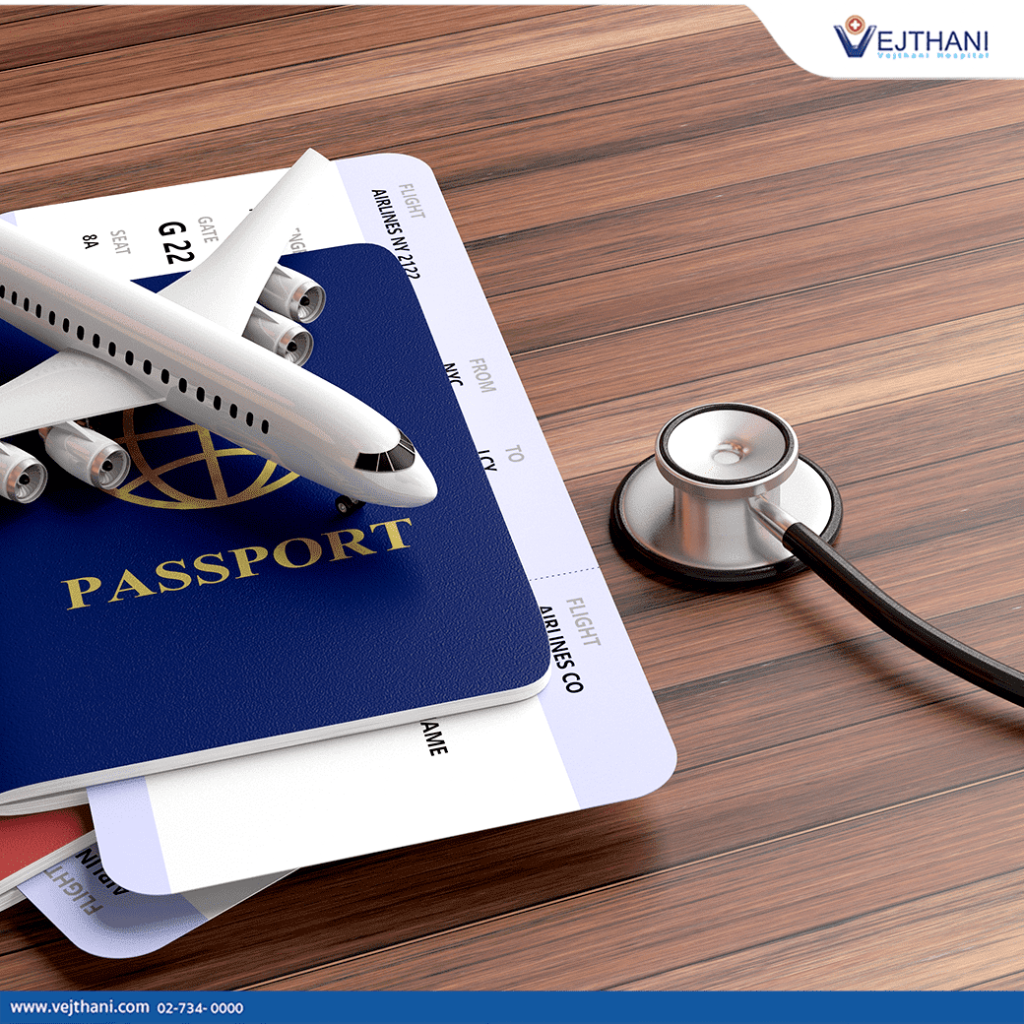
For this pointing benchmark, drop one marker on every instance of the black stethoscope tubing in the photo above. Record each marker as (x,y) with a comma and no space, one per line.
(899,622)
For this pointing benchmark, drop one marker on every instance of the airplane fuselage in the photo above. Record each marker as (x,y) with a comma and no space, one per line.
(204,373)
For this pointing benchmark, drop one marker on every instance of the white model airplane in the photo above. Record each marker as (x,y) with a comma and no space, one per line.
(207,349)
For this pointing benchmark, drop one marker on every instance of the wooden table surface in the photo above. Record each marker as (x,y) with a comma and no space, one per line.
(663,210)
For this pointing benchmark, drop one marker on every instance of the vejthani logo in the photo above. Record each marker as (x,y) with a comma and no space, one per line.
(855,26)
(938,43)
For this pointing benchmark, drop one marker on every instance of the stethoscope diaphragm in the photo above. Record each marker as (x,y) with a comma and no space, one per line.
(686,509)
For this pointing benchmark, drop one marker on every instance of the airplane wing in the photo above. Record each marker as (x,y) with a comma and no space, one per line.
(227,284)
(68,386)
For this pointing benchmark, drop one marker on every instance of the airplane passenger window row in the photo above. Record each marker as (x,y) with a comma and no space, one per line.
(129,358)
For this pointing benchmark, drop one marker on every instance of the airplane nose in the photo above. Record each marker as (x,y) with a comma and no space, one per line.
(406,488)
(418,483)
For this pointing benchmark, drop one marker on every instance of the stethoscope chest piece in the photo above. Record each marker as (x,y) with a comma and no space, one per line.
(686,510)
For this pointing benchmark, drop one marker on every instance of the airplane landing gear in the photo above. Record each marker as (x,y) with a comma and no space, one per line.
(346,505)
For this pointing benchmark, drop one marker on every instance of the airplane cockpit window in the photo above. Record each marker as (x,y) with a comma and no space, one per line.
(402,456)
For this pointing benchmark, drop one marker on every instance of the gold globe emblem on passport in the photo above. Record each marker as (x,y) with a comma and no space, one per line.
(180,465)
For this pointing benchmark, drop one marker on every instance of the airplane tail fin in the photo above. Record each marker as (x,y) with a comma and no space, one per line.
(226,285)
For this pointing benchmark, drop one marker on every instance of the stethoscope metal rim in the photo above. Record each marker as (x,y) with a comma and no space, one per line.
(642,524)
(785,432)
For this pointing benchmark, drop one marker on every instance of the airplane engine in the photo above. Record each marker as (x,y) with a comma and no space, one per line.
(280,335)
(88,456)
(293,295)
(22,477)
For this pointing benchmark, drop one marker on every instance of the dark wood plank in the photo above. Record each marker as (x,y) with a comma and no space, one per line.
(967,931)
(676,287)
(178,47)
(935,360)
(279,93)
(42,35)
(631,935)
(381,124)
(702,222)
(694,352)
(905,118)
(24,12)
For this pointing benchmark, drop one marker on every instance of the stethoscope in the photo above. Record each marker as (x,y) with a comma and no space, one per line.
(726,500)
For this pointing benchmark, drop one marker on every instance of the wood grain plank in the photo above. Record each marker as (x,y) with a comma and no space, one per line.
(646,119)
(625,935)
(177,47)
(40,35)
(823,384)
(10,15)
(405,124)
(725,158)
(732,631)
(811,692)
(782,203)
(97,127)
(970,931)
(709,344)
(757,268)
(1012,981)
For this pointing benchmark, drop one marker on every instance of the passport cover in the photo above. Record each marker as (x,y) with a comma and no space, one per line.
(235,606)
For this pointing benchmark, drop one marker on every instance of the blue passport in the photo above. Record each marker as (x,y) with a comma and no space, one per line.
(236,610)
